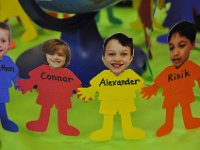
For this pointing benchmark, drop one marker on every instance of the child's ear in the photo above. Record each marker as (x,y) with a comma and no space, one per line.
(103,59)
(132,58)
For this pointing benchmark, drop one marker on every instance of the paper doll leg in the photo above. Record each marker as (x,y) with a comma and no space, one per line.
(169,122)
(111,17)
(189,121)
(106,132)
(130,132)
(6,123)
(64,127)
(137,24)
(41,124)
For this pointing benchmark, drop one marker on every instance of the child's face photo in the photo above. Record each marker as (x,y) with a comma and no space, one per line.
(4,42)
(57,59)
(117,57)
(180,47)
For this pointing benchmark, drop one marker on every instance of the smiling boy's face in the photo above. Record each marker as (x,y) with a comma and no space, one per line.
(4,42)
(180,47)
(57,58)
(117,57)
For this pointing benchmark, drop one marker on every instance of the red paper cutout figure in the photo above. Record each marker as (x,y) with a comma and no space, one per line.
(177,81)
(55,85)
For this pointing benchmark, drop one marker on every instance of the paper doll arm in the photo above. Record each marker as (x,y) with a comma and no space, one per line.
(25,85)
(148,91)
(161,4)
(198,80)
(86,93)
(15,78)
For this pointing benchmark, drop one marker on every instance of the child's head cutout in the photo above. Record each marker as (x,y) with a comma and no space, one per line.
(181,41)
(56,53)
(118,52)
(5,38)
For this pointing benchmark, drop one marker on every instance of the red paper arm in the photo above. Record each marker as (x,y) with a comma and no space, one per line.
(148,91)
(25,85)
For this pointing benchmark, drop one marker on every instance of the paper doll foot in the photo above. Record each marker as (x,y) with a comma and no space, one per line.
(69,130)
(101,135)
(36,125)
(9,125)
(193,123)
(163,130)
(115,20)
(28,36)
(134,134)
(137,25)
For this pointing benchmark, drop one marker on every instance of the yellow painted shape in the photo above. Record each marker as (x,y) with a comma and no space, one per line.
(12,8)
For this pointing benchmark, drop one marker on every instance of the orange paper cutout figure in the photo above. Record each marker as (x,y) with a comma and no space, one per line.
(116,88)
(55,86)
(177,81)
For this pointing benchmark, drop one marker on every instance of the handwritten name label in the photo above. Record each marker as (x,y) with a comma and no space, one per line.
(176,76)
(5,68)
(128,81)
(45,76)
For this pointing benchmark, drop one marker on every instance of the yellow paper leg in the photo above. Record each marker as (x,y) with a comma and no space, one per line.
(156,24)
(106,132)
(12,8)
(137,24)
(30,31)
(129,132)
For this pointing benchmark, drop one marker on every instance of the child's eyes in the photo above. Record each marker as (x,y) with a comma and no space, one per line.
(171,48)
(182,45)
(111,54)
(3,41)
(124,54)
(59,54)
(56,54)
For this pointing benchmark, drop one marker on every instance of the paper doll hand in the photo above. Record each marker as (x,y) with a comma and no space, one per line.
(198,82)
(148,91)
(14,79)
(161,4)
(24,85)
(86,93)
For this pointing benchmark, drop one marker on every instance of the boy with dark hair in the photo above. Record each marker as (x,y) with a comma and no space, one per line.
(177,80)
(116,88)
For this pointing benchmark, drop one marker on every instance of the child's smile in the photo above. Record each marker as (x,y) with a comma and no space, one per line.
(117,65)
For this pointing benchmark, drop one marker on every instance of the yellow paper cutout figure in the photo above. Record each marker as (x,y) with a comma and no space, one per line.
(147,17)
(116,88)
(12,8)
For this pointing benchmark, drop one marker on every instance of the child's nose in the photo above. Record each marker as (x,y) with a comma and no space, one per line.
(176,51)
(117,57)
(55,56)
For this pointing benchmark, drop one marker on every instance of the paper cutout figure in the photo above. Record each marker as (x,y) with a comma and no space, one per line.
(111,17)
(177,81)
(116,88)
(12,8)
(8,74)
(146,19)
(179,10)
(55,86)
